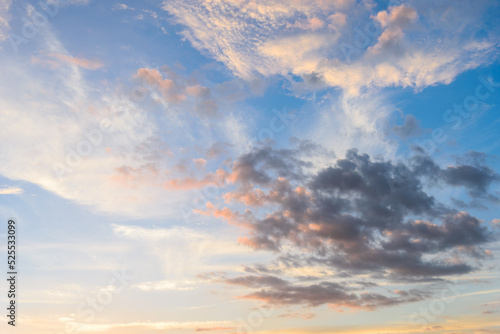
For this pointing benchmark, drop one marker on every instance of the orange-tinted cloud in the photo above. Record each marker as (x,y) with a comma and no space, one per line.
(217,179)
(167,87)
(214,329)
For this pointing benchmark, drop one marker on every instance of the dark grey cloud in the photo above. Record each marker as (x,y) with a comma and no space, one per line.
(470,173)
(362,215)
(277,291)
(477,179)
(257,281)
(259,165)
(358,216)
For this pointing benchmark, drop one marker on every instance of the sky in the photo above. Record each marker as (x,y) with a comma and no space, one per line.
(251,166)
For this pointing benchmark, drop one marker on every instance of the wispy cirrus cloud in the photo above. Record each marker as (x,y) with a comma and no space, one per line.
(57,59)
(101,147)
(11,191)
(150,325)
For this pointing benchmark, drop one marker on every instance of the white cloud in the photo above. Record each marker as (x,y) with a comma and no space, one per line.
(421,43)
(121,6)
(165,285)
(59,138)
(355,122)
(4,19)
(11,191)
(354,46)
(52,114)
(181,252)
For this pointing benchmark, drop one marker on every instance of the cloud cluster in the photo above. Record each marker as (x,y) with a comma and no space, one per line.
(358,216)
(277,291)
(346,44)
(174,89)
(102,144)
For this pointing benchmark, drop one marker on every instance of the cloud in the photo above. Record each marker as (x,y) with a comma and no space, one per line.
(208,329)
(112,147)
(121,6)
(193,325)
(93,144)
(186,94)
(357,216)
(55,59)
(180,253)
(410,128)
(478,179)
(416,44)
(165,285)
(11,191)
(4,19)
(277,291)
(394,22)
(470,173)
(169,91)
(305,316)
(257,281)
(348,121)
(311,24)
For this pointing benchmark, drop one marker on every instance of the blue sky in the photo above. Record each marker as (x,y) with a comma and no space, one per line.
(236,166)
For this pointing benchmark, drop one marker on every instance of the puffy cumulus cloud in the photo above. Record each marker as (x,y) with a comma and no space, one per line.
(394,23)
(355,217)
(4,19)
(415,44)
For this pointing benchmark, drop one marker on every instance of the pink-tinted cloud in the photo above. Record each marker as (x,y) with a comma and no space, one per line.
(58,59)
